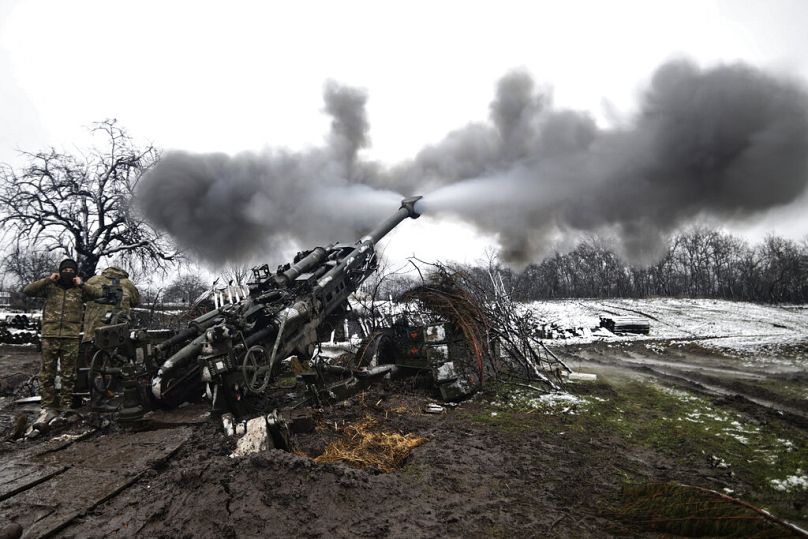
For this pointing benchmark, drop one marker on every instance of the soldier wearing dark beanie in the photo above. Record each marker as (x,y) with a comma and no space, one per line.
(65,294)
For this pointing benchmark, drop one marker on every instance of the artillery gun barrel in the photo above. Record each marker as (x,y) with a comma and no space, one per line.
(407,209)
(185,354)
(355,257)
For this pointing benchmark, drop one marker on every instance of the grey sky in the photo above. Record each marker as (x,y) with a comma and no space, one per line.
(215,77)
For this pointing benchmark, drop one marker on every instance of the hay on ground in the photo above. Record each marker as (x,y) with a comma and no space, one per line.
(366,447)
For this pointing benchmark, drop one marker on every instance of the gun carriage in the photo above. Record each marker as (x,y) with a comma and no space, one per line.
(234,351)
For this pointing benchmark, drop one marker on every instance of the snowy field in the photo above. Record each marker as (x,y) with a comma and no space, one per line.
(735,326)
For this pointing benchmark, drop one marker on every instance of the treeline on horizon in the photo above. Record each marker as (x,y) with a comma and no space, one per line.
(698,263)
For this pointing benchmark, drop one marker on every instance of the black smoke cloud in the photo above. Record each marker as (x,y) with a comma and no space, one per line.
(727,142)
(224,208)
(349,124)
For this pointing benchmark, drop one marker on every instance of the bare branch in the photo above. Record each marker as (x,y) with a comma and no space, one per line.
(80,202)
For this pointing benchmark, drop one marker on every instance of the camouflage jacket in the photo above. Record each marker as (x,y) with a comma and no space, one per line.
(95,313)
(61,316)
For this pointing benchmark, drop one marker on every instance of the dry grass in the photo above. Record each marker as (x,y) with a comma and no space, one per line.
(673,508)
(366,447)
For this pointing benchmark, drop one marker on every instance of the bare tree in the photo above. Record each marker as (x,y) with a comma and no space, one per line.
(781,268)
(79,204)
(699,262)
(237,274)
(26,266)
(184,289)
(385,282)
(22,266)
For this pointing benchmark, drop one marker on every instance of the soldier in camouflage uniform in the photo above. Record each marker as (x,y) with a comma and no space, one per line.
(95,314)
(64,294)
(100,314)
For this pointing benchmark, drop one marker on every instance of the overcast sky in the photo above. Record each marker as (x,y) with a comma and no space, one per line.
(205,76)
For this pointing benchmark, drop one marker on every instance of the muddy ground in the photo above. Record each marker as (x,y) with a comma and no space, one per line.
(504,463)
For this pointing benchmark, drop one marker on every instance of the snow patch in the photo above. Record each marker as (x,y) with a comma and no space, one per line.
(560,402)
(256,438)
(799,481)
(754,331)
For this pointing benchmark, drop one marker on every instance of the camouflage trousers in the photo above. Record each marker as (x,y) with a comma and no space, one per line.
(65,353)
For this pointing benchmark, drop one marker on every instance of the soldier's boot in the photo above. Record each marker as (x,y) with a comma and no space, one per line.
(45,417)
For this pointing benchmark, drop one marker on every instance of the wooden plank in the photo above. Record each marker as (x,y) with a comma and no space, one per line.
(90,472)
(16,477)
(38,508)
(129,451)
(55,525)
(57,522)
(59,443)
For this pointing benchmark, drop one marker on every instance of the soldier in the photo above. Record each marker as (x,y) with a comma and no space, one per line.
(64,294)
(106,310)
(95,314)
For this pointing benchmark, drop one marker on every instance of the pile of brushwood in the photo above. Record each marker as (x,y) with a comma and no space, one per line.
(500,334)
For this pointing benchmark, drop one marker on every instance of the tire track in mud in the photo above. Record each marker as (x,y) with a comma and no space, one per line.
(655,319)
(732,391)
(735,399)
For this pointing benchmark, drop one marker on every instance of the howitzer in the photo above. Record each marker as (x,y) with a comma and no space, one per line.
(237,347)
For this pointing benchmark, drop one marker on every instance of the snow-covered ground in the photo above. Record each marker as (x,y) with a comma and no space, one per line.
(725,324)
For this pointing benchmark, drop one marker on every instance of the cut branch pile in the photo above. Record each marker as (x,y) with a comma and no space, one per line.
(444,297)
(500,334)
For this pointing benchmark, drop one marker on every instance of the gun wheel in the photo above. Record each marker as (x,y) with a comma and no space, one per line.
(104,375)
(256,370)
